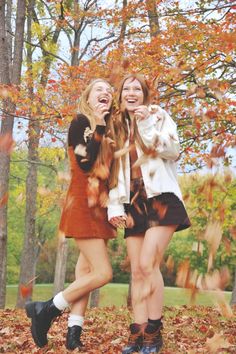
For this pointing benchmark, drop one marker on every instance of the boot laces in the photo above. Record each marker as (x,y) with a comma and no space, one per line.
(152,338)
(134,338)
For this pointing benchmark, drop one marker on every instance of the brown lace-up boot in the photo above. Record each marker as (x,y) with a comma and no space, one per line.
(152,340)
(135,340)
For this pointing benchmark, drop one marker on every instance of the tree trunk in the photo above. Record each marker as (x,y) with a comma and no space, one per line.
(94,298)
(8,122)
(60,268)
(123,28)
(31,246)
(153,18)
(233,298)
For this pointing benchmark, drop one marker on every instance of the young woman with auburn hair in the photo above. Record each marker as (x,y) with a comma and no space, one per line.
(84,216)
(146,200)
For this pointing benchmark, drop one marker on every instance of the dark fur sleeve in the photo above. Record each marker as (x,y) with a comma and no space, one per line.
(84,141)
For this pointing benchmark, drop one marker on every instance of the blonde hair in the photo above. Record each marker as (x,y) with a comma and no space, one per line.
(106,149)
(119,128)
(84,107)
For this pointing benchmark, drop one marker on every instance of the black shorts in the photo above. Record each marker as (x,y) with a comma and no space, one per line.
(162,210)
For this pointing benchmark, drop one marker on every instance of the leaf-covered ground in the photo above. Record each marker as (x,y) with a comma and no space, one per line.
(186,330)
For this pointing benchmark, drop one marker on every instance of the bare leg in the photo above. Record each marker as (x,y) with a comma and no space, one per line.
(95,252)
(139,305)
(82,268)
(155,243)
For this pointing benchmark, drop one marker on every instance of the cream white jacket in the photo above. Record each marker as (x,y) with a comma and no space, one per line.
(159,173)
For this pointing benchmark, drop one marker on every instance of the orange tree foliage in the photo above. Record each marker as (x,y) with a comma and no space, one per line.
(189,62)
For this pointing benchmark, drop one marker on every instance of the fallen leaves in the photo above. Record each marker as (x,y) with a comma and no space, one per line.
(187,329)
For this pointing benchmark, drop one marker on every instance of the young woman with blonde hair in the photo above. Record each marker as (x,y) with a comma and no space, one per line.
(146,200)
(84,216)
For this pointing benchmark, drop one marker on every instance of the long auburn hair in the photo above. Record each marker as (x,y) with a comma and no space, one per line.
(119,125)
(106,149)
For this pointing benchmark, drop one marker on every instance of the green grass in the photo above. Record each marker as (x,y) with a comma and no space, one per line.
(116,295)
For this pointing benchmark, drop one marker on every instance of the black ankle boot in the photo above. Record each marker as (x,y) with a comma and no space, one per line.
(73,338)
(41,314)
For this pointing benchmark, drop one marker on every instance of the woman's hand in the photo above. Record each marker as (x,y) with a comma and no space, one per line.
(141,112)
(118,221)
(100,113)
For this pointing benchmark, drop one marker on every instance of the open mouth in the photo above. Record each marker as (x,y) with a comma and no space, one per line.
(103,100)
(131,100)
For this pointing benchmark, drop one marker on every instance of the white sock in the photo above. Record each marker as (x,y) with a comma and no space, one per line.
(75,320)
(60,302)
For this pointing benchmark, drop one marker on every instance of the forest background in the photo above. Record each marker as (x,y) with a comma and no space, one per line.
(49,51)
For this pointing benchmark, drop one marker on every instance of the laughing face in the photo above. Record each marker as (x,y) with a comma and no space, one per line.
(101,93)
(131,95)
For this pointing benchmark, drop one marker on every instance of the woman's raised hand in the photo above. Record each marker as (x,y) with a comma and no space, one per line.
(141,112)
(100,113)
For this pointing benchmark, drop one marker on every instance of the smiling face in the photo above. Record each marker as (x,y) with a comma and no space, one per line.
(101,92)
(132,95)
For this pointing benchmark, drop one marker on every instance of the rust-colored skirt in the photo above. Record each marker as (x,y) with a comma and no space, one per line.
(78,220)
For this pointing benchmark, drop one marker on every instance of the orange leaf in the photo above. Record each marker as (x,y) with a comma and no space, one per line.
(160,208)
(170,264)
(183,274)
(26,290)
(6,143)
(3,200)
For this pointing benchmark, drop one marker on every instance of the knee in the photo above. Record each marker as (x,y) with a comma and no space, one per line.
(146,268)
(137,274)
(82,271)
(105,275)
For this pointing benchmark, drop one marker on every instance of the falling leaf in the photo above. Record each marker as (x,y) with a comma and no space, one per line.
(141,160)
(81,150)
(121,152)
(129,221)
(103,199)
(43,191)
(93,191)
(134,197)
(170,263)
(183,274)
(160,208)
(63,176)
(6,143)
(217,342)
(223,306)
(3,200)
(224,277)
(212,280)
(213,235)
(26,291)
